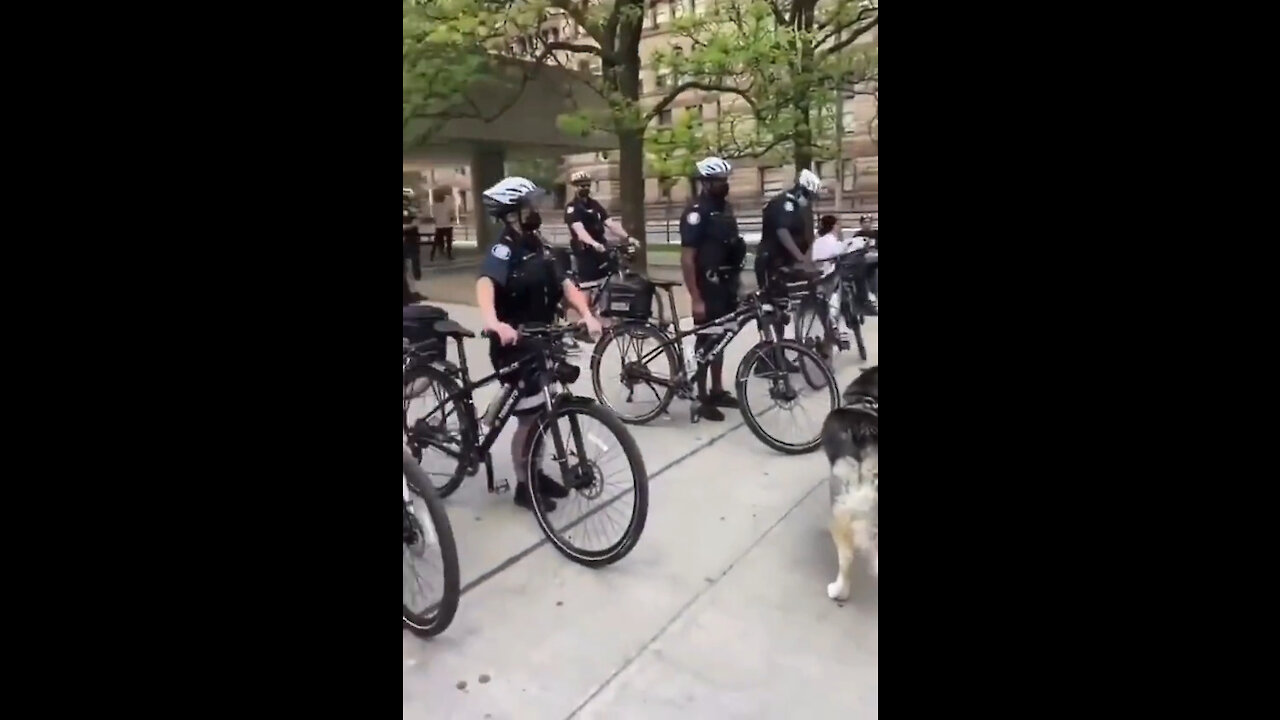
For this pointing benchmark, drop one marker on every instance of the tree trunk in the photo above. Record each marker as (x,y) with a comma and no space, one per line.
(804,130)
(631,179)
(626,81)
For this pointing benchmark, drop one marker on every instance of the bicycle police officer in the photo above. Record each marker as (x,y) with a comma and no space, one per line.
(711,261)
(519,283)
(587,221)
(786,235)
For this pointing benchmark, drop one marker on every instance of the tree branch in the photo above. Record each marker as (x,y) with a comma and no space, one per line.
(851,37)
(695,85)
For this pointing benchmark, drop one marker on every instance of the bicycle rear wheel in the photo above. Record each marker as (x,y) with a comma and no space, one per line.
(439,436)
(590,440)
(644,389)
(811,332)
(783,400)
(427,532)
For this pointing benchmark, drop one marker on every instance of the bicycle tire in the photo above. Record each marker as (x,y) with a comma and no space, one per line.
(805,318)
(431,624)
(674,364)
(857,336)
(466,423)
(854,321)
(744,374)
(569,405)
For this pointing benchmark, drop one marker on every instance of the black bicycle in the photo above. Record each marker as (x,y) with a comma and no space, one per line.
(427,533)
(578,456)
(817,322)
(770,360)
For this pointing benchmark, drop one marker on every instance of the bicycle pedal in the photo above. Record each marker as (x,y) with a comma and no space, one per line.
(500,487)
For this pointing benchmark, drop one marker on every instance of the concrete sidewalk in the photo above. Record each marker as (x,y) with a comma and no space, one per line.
(719,612)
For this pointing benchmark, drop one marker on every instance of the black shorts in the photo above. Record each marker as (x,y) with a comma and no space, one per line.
(721,298)
(530,401)
(591,265)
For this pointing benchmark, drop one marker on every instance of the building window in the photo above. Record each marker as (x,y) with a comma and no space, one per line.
(677,8)
(584,66)
(821,169)
(664,188)
(693,7)
(664,118)
(663,14)
(660,80)
(651,17)
(640,84)
(848,175)
(519,46)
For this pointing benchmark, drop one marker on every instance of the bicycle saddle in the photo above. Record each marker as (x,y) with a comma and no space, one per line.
(452,329)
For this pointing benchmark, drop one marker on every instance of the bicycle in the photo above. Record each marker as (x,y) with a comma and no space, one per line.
(818,329)
(767,359)
(422,532)
(617,266)
(470,443)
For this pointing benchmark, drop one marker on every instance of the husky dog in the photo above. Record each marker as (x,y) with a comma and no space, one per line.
(850,437)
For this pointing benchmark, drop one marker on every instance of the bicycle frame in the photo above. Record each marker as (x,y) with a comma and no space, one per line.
(759,307)
(485,440)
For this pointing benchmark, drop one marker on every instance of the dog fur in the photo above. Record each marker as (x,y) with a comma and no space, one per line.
(851,439)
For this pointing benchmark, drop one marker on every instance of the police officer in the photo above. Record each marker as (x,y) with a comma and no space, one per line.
(785,238)
(711,261)
(520,283)
(588,222)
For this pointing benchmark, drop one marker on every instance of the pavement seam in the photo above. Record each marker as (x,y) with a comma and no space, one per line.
(685,608)
(506,564)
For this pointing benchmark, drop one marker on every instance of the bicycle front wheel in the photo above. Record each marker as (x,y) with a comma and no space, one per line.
(775,404)
(586,448)
(430,550)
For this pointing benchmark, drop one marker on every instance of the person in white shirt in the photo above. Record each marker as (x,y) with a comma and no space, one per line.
(829,245)
(442,212)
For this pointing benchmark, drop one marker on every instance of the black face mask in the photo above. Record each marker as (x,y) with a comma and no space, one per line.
(584,192)
(531,222)
(718,189)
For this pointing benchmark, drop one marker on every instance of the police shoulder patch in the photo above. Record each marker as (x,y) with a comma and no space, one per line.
(694,218)
(501,251)
(569,209)
(788,206)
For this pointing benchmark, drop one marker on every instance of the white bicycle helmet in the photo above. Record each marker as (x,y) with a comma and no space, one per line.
(714,167)
(406,192)
(507,195)
(582,176)
(810,182)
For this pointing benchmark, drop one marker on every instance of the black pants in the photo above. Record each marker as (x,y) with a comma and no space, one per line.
(412,243)
(444,237)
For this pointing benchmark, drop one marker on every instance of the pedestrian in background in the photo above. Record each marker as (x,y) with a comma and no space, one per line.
(442,211)
(410,234)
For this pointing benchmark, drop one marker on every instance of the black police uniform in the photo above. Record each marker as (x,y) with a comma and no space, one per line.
(527,288)
(710,228)
(785,211)
(592,216)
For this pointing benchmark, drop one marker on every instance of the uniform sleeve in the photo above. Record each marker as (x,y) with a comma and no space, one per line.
(690,228)
(497,263)
(570,216)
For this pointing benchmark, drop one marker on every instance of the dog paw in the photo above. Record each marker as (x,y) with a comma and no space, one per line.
(838,591)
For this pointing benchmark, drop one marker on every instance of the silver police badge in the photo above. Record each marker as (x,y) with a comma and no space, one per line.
(694,218)
(500,251)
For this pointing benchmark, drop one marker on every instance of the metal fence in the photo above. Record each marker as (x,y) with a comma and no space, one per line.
(664,228)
